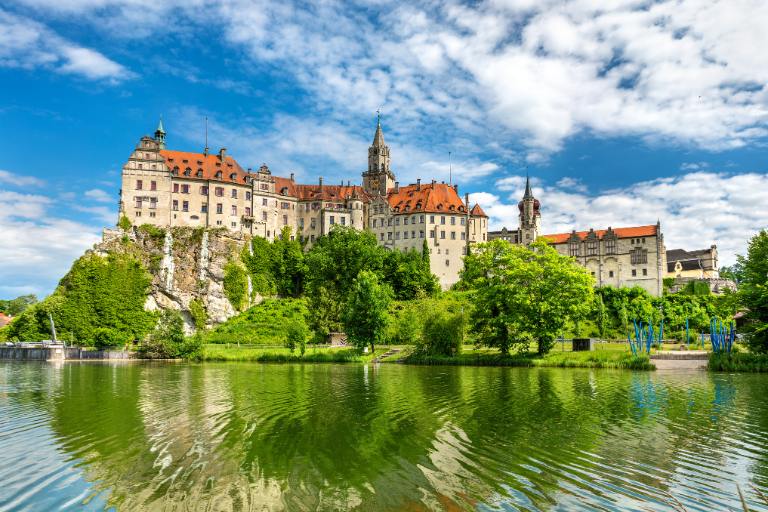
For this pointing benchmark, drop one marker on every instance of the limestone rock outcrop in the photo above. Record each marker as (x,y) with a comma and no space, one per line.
(186,264)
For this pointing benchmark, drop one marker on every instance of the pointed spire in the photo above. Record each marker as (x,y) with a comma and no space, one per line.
(160,128)
(160,134)
(528,193)
(378,138)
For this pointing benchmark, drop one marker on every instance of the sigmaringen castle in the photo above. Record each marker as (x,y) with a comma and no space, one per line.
(170,188)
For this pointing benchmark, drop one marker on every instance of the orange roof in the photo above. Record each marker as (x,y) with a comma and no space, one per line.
(202,166)
(432,198)
(329,192)
(476,211)
(630,232)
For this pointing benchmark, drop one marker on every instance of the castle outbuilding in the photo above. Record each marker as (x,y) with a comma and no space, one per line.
(626,256)
(169,188)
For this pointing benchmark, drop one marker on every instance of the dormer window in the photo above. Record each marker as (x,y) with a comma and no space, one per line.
(284,191)
(218,175)
(461,208)
(175,171)
(199,173)
(185,161)
(440,206)
(451,208)
(233,176)
(187,172)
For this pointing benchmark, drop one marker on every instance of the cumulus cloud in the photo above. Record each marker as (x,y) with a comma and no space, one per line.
(36,248)
(28,44)
(535,73)
(99,195)
(695,209)
(18,180)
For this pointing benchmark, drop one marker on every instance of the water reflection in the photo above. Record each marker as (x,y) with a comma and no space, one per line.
(387,437)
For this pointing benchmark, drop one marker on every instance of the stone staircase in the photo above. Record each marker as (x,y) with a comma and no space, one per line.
(388,353)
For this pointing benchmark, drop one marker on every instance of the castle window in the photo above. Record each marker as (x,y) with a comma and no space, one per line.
(218,175)
(264,218)
(610,246)
(421,233)
(634,272)
(175,205)
(185,189)
(610,273)
(247,211)
(405,235)
(175,171)
(463,235)
(463,221)
(332,221)
(592,248)
(141,166)
(219,191)
(199,173)
(447,263)
(187,172)
(343,221)
(442,235)
(137,201)
(204,191)
(638,256)
(204,208)
(233,176)
(645,271)
(219,208)
(234,210)
(176,188)
(185,206)
(234,193)
(453,221)
(405,221)
(451,208)
(573,249)
(152,185)
(285,220)
(453,235)
(264,201)
(152,203)
(139,184)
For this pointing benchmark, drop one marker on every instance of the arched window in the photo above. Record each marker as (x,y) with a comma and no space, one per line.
(187,172)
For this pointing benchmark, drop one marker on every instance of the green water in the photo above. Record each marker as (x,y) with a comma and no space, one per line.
(328,437)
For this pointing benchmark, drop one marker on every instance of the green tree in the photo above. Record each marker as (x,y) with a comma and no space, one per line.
(365,317)
(296,335)
(288,266)
(443,333)
(124,223)
(236,285)
(733,272)
(409,275)
(17,306)
(753,292)
(168,340)
(601,316)
(524,293)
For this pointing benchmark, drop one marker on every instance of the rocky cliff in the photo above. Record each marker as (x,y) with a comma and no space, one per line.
(187,266)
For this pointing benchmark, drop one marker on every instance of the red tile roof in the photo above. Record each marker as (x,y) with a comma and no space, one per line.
(204,167)
(431,198)
(630,232)
(329,192)
(476,211)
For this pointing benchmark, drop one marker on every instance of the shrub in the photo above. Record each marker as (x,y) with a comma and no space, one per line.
(124,223)
(198,313)
(235,285)
(104,337)
(168,340)
(443,333)
(296,336)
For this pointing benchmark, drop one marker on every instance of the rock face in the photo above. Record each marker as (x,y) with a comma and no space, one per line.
(185,264)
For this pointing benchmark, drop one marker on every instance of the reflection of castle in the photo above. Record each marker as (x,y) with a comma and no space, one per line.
(176,188)
(630,256)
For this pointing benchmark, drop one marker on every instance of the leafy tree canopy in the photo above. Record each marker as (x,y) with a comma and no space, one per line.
(524,293)
(365,316)
(753,291)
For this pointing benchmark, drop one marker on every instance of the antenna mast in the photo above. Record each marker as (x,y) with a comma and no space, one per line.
(205,151)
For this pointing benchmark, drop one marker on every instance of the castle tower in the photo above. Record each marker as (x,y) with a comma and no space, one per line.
(378,178)
(160,134)
(530,215)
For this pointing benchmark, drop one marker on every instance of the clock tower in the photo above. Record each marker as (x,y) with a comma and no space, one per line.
(378,178)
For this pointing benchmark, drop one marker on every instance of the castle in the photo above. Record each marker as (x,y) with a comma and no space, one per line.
(619,257)
(169,188)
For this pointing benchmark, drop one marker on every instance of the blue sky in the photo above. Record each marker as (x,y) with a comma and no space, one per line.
(626,115)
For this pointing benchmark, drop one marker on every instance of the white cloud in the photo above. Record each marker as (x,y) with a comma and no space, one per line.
(18,180)
(28,44)
(99,195)
(696,209)
(106,215)
(36,249)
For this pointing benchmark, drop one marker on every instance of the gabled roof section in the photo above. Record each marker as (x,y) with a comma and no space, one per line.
(430,198)
(476,211)
(203,167)
(629,232)
(329,192)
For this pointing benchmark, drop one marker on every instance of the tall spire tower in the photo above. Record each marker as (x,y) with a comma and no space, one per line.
(160,134)
(530,215)
(379,177)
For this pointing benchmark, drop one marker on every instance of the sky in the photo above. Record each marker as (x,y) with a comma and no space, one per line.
(622,113)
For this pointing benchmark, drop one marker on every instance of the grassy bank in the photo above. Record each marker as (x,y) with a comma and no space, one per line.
(739,362)
(608,355)
(217,352)
(263,324)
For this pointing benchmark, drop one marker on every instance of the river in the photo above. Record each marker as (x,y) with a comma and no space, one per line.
(136,436)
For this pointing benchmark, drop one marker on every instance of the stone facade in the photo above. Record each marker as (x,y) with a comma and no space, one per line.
(168,188)
(620,257)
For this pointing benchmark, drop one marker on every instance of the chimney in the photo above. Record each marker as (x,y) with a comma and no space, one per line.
(349,183)
(222,153)
(321,183)
(418,183)
(456,187)
(291,176)
(397,186)
(433,183)
(466,201)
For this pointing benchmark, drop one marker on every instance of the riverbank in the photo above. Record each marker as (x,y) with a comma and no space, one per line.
(607,355)
(223,353)
(738,362)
